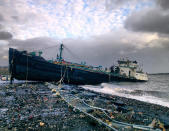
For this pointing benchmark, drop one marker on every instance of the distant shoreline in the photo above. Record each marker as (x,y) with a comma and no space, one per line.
(4,71)
(158,74)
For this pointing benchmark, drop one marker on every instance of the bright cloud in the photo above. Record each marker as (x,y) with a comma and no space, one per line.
(63,18)
(105,28)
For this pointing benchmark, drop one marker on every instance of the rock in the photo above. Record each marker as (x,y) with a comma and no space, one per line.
(10,126)
(124,109)
(82,116)
(74,92)
(41,124)
(165,120)
(90,110)
(37,107)
(153,123)
(53,90)
(89,94)
(119,103)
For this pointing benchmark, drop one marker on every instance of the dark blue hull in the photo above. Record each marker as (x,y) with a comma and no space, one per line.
(23,66)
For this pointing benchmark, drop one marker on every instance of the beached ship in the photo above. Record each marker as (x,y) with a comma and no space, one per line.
(33,67)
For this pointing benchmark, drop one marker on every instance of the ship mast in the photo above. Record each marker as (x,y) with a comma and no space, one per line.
(61,51)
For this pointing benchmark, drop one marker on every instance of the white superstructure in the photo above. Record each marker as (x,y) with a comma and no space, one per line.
(131,69)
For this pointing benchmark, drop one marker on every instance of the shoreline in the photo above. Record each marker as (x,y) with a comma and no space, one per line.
(127,99)
(35,105)
(151,109)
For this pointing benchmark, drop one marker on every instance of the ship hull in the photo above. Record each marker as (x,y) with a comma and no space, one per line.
(23,66)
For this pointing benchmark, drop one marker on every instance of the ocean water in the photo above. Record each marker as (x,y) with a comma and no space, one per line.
(156,90)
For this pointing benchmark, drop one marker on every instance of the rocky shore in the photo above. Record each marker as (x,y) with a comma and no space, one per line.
(34,107)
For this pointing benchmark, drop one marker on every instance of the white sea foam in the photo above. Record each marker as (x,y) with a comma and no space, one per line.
(8,82)
(125,92)
(4,82)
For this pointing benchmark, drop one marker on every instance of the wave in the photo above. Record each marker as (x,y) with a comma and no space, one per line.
(155,97)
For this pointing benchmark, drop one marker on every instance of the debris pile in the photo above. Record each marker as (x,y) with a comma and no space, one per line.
(115,114)
(34,107)
(37,106)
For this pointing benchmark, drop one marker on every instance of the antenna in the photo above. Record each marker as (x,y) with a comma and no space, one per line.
(61,51)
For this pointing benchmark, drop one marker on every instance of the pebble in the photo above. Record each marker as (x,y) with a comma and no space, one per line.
(36,106)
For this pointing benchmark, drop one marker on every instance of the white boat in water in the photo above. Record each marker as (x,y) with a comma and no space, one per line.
(130,69)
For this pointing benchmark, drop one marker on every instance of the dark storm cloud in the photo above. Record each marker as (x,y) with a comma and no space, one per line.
(2,3)
(1,18)
(15,15)
(162,42)
(153,20)
(92,50)
(1,26)
(97,51)
(113,4)
(16,18)
(29,45)
(32,44)
(163,3)
(5,35)
(106,50)
(103,50)
(154,60)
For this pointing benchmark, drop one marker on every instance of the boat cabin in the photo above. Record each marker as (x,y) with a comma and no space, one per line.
(127,68)
(130,69)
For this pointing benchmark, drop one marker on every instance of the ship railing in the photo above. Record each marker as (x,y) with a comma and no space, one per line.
(128,66)
(82,67)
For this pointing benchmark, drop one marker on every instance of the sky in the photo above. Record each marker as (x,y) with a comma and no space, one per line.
(96,31)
